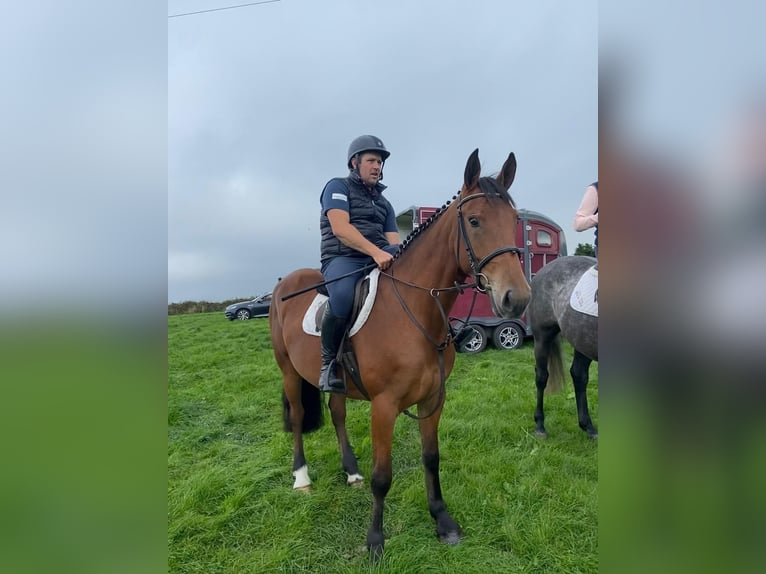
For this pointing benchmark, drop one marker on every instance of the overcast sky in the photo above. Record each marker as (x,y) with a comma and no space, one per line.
(264,100)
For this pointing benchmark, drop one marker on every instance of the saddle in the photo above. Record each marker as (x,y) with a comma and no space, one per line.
(584,297)
(361,291)
(346,357)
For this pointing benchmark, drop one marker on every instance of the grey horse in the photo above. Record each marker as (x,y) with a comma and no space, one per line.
(552,316)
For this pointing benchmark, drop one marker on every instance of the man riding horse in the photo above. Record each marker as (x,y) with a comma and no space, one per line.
(358,226)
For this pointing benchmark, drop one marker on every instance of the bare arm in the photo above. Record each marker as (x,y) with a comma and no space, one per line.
(350,236)
(393,238)
(586,216)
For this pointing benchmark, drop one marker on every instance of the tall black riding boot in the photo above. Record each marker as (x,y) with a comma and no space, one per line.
(333,329)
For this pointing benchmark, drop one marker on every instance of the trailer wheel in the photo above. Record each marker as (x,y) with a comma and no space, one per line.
(508,336)
(475,344)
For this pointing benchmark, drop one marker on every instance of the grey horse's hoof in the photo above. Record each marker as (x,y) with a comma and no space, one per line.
(450,538)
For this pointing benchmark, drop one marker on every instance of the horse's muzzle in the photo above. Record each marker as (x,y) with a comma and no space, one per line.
(513,303)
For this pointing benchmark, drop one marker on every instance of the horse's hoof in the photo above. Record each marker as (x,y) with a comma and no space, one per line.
(375,544)
(302,480)
(541,434)
(355,480)
(450,538)
(593,435)
(376,552)
(305,488)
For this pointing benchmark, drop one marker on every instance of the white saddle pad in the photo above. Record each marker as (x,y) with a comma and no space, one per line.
(310,326)
(584,296)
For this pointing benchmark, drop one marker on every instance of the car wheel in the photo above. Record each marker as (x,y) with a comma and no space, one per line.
(475,344)
(243,314)
(508,336)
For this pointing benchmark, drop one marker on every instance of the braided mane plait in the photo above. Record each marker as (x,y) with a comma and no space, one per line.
(422,227)
(487,185)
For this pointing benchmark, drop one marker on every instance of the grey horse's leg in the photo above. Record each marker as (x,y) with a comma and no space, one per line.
(579,372)
(543,343)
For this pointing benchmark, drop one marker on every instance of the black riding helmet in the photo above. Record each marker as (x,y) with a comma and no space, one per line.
(366,143)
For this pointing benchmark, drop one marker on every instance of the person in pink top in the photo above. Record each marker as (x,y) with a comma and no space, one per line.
(587,214)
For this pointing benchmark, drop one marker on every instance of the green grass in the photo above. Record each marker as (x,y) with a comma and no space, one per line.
(525,504)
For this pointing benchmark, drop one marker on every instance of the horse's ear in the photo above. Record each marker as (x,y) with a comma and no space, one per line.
(472,170)
(508,173)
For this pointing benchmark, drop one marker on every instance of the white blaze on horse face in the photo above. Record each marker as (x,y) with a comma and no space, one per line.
(302,479)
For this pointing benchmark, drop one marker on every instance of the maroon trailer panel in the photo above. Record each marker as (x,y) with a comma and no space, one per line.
(540,239)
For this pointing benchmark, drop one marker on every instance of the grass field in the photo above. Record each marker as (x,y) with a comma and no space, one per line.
(524,504)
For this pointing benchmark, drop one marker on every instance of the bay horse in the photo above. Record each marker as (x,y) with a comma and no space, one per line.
(551,317)
(404,350)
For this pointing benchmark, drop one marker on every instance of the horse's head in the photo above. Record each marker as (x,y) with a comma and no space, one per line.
(487,220)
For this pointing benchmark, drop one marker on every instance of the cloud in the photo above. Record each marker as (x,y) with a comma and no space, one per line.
(263,103)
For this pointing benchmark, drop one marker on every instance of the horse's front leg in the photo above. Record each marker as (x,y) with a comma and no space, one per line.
(545,348)
(337,404)
(541,381)
(579,372)
(447,529)
(382,423)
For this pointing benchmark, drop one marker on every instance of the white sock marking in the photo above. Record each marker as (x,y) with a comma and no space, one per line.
(301,477)
(354,478)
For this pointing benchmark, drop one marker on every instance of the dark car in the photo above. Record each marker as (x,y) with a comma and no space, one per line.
(258,307)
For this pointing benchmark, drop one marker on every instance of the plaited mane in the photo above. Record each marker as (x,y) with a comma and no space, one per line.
(487,185)
(422,227)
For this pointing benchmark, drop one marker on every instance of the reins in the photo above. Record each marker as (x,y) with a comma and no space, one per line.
(440,347)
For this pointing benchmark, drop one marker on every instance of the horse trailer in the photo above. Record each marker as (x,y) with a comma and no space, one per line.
(540,239)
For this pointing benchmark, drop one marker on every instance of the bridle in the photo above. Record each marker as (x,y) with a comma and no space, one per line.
(476,267)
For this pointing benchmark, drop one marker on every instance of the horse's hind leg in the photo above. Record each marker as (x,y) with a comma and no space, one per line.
(579,372)
(447,529)
(337,404)
(294,413)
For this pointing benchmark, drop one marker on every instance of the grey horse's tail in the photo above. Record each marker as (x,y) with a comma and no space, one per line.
(555,366)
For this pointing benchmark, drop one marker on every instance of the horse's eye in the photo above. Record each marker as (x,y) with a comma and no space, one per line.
(474,221)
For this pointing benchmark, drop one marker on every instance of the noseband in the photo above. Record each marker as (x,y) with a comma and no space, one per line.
(476,264)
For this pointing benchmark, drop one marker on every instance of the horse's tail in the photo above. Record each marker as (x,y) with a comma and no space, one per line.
(555,366)
(311,400)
